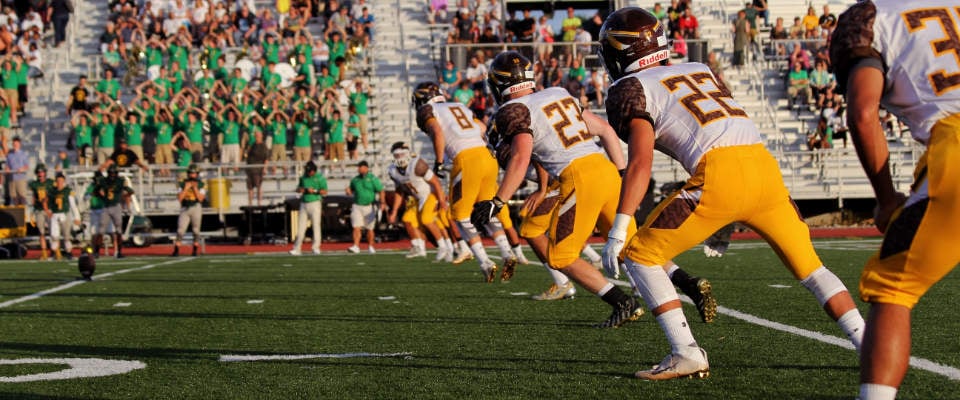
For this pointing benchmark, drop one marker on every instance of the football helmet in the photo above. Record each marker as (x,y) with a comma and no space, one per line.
(113,170)
(193,169)
(401,155)
(630,39)
(427,92)
(510,72)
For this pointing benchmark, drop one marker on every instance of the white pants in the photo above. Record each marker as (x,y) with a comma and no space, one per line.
(313,209)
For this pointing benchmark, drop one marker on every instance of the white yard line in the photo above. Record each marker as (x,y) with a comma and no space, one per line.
(916,362)
(69,285)
(242,358)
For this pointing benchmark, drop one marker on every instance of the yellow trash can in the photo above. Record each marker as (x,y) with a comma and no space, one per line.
(219,189)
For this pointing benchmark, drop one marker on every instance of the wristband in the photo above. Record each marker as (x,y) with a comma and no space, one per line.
(497,202)
(619,228)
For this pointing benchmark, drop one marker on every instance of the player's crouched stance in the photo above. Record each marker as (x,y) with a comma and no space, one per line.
(686,113)
(550,127)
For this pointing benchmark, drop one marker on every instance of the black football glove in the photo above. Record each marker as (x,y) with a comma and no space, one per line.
(484,210)
(438,170)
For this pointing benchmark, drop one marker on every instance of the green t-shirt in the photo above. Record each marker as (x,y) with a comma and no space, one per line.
(316,182)
(335,131)
(22,71)
(359,100)
(305,49)
(302,135)
(112,57)
(463,95)
(327,81)
(365,188)
(337,49)
(134,134)
(59,199)
(236,85)
(799,76)
(231,132)
(271,81)
(164,85)
(83,135)
(179,55)
(164,133)
(189,199)
(213,54)
(271,52)
(10,78)
(353,125)
(109,86)
(195,132)
(5,116)
(184,158)
(205,84)
(105,134)
(154,56)
(278,130)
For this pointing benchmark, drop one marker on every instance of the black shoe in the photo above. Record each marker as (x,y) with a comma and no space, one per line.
(700,291)
(195,250)
(119,256)
(624,312)
(176,251)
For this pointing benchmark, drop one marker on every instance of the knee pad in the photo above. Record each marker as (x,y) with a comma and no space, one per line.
(823,284)
(494,226)
(467,231)
(652,283)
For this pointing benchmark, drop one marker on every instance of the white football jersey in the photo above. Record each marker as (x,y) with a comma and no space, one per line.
(918,42)
(408,181)
(554,119)
(461,130)
(690,111)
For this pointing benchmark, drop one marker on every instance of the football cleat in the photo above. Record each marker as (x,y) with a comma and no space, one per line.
(371,250)
(700,292)
(463,257)
(489,272)
(509,267)
(557,292)
(295,252)
(630,310)
(677,366)
(521,258)
(354,249)
(414,253)
(316,251)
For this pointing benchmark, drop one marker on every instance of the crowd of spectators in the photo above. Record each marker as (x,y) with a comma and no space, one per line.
(171,92)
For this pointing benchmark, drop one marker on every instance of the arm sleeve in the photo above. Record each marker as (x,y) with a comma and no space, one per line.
(625,101)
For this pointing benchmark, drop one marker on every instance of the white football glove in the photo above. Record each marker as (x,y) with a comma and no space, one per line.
(615,241)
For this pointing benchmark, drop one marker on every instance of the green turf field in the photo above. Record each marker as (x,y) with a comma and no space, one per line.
(380,326)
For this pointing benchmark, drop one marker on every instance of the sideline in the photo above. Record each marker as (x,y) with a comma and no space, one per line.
(71,284)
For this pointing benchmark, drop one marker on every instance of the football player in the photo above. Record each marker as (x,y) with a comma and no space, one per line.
(903,56)
(550,127)
(191,195)
(413,177)
(116,195)
(41,213)
(62,206)
(456,134)
(683,111)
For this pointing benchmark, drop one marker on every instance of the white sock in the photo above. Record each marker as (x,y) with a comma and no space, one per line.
(558,277)
(464,248)
(518,251)
(609,286)
(591,254)
(852,324)
(449,244)
(419,244)
(480,253)
(504,246)
(675,326)
(875,391)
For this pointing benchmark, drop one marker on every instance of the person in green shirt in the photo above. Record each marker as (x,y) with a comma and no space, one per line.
(179,52)
(325,80)
(194,131)
(236,83)
(302,142)
(336,142)
(163,85)
(175,78)
(220,71)
(108,87)
(9,81)
(133,132)
(6,116)
(271,49)
(93,195)
(163,152)
(353,132)
(22,71)
(113,61)
(799,81)
(365,188)
(277,127)
(570,25)
(306,77)
(337,47)
(63,211)
(191,194)
(41,213)
(106,129)
(230,139)
(270,80)
(463,94)
(154,53)
(312,186)
(205,83)
(359,99)
(82,136)
(304,46)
